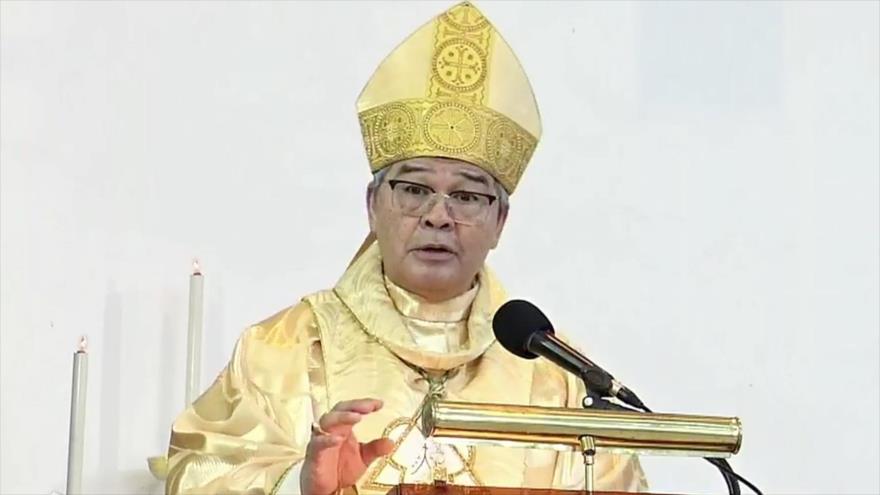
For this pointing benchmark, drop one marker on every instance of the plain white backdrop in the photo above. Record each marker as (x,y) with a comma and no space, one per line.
(701,214)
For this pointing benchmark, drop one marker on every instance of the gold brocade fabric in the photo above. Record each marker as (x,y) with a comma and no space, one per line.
(453,89)
(245,432)
(436,327)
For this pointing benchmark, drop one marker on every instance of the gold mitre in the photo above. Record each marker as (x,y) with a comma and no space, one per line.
(453,89)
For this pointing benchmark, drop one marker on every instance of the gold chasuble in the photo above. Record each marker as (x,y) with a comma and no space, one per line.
(453,89)
(368,338)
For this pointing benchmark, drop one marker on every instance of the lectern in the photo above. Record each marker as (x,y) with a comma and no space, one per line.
(586,431)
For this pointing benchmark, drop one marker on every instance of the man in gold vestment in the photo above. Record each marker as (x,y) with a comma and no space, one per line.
(325,396)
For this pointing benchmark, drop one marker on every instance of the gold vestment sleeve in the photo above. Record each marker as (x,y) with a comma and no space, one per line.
(252,424)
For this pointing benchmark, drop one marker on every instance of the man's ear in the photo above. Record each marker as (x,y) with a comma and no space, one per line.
(370,200)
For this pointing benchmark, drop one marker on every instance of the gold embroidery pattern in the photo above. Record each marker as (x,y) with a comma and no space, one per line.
(461,55)
(464,17)
(507,148)
(459,65)
(395,127)
(451,127)
(449,109)
(408,425)
(425,127)
(436,388)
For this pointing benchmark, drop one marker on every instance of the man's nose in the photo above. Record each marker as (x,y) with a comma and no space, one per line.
(438,216)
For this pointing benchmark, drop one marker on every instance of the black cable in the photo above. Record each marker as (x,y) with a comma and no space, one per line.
(732,483)
(595,401)
(725,466)
(731,478)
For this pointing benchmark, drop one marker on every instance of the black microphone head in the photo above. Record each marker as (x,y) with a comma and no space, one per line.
(514,324)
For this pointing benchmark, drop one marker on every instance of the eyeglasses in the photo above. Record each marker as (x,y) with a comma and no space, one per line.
(414,199)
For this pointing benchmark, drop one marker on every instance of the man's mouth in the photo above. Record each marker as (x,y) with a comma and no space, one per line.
(434,252)
(436,248)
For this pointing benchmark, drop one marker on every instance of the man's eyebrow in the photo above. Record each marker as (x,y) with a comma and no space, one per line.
(407,168)
(474,177)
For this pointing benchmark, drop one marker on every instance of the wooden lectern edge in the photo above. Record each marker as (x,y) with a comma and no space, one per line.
(440,489)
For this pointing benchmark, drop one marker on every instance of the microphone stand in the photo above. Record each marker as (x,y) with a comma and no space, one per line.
(594,380)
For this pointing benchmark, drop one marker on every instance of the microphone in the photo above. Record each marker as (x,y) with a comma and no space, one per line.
(522,329)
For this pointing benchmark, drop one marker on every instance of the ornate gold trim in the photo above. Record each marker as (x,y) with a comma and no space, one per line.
(449,128)
(435,391)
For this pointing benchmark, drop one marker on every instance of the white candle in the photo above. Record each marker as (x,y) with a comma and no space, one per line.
(194,335)
(77,418)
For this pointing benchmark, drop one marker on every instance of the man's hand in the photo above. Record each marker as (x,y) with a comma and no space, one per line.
(335,459)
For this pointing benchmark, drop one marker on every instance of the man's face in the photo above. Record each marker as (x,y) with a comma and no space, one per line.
(429,252)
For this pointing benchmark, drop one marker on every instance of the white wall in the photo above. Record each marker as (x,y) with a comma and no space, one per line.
(702,213)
